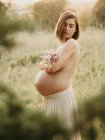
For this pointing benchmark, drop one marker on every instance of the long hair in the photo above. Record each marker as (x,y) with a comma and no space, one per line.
(60,25)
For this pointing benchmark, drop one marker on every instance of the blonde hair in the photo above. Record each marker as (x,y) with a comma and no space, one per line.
(60,25)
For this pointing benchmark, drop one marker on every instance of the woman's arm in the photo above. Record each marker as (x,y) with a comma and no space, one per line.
(68,49)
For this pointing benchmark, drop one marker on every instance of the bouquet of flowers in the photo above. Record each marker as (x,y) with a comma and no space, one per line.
(49,57)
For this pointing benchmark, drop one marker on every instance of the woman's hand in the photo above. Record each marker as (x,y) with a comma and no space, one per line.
(44,66)
(41,65)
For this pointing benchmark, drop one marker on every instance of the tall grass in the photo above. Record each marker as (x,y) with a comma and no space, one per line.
(19,66)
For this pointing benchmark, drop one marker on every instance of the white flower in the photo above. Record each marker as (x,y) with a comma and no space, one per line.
(49,56)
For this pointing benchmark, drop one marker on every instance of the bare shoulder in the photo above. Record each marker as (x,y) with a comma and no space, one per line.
(72,42)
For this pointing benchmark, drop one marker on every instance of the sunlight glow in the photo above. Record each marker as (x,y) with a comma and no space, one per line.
(30,1)
(82,1)
(20,1)
(24,1)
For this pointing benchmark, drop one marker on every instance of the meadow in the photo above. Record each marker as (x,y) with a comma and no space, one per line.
(19,65)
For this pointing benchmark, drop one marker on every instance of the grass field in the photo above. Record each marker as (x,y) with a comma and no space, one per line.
(19,65)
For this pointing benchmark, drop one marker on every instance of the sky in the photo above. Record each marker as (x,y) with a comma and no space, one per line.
(29,1)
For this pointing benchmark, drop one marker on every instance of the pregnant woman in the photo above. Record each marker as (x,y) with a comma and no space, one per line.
(54,81)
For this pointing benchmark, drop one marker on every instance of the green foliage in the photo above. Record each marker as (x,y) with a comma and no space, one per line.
(99,13)
(46,12)
(91,110)
(18,122)
(9,25)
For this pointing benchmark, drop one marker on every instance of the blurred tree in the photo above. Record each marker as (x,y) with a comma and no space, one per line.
(46,12)
(9,25)
(99,13)
(3,8)
(85,18)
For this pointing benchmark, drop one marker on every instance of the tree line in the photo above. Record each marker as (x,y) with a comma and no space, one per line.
(45,15)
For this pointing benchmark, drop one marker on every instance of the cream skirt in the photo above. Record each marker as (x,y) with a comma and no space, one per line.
(62,104)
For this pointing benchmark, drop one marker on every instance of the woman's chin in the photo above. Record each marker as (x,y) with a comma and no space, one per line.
(66,38)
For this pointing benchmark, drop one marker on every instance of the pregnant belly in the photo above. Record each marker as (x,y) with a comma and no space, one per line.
(48,84)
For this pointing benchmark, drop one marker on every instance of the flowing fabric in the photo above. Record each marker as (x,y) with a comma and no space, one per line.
(62,104)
